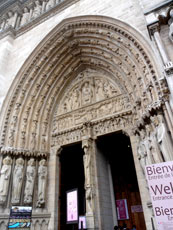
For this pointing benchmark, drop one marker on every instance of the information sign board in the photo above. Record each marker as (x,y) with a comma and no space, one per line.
(20,217)
(160,183)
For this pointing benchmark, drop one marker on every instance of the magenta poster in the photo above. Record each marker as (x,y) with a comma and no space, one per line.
(122,210)
(72,206)
(160,183)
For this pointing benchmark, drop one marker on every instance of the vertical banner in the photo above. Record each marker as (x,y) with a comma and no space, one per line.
(122,210)
(72,206)
(160,182)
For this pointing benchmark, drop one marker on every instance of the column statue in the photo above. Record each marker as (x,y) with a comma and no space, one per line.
(142,155)
(17,180)
(5,178)
(42,179)
(163,139)
(155,153)
(30,179)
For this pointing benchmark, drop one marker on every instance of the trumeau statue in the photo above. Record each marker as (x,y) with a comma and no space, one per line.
(42,180)
(30,179)
(164,140)
(88,183)
(170,22)
(17,180)
(5,178)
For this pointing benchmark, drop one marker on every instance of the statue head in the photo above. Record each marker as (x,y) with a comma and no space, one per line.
(43,162)
(37,3)
(7,161)
(31,162)
(25,10)
(10,14)
(142,134)
(20,161)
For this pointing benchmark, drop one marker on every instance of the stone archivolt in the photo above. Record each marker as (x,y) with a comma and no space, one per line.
(96,43)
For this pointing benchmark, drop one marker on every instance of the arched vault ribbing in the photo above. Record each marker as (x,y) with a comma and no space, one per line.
(75,44)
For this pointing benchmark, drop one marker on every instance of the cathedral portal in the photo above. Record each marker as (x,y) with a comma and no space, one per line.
(90,77)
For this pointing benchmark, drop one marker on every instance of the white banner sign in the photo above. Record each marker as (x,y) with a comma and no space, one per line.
(160,182)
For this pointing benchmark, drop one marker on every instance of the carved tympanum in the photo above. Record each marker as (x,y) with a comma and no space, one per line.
(88,88)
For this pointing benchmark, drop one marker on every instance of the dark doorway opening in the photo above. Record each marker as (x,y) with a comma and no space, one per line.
(71,177)
(116,150)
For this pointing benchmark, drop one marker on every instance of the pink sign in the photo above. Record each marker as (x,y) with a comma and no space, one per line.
(72,206)
(122,210)
(160,182)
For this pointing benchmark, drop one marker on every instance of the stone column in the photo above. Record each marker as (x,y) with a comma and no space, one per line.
(53,184)
(168,65)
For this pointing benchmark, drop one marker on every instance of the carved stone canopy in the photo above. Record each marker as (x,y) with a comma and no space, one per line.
(118,60)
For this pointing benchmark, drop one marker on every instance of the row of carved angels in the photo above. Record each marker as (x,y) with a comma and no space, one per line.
(19,173)
(16,20)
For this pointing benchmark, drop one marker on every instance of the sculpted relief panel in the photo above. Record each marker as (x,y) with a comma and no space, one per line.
(90,97)
(89,87)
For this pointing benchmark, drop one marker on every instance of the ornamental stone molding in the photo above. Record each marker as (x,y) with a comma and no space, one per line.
(100,54)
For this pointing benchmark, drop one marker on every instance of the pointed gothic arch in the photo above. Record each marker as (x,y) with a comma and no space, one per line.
(78,43)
